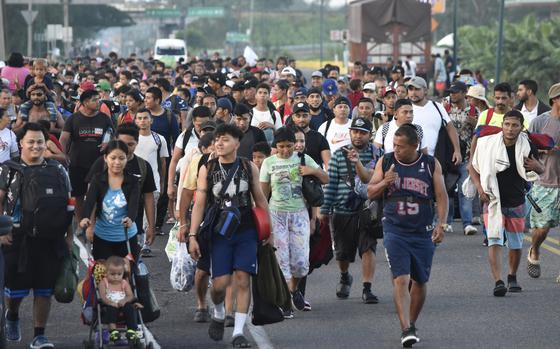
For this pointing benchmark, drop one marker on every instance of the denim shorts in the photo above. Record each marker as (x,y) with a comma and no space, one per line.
(410,254)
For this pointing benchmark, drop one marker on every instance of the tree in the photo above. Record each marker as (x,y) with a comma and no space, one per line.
(531,50)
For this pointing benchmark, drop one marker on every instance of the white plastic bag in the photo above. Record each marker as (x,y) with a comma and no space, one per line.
(172,242)
(183,268)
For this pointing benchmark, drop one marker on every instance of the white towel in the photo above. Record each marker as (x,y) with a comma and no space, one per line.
(490,158)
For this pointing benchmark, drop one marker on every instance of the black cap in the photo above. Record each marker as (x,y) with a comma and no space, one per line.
(241,109)
(316,90)
(458,86)
(251,83)
(301,107)
(361,124)
(197,78)
(208,125)
(398,69)
(218,78)
(238,86)
(341,100)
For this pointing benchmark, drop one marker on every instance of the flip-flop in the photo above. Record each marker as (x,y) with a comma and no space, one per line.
(533,266)
(216,329)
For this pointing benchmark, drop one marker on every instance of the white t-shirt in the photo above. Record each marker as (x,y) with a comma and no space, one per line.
(147,149)
(430,120)
(8,144)
(388,142)
(191,144)
(337,135)
(530,115)
(264,116)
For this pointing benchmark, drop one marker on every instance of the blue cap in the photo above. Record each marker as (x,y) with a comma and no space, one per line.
(329,87)
(225,103)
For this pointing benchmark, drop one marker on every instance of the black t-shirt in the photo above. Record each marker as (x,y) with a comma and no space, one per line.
(252,136)
(132,166)
(510,183)
(315,143)
(86,136)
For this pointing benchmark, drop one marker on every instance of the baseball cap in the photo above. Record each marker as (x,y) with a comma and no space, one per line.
(375,70)
(361,124)
(283,84)
(329,87)
(300,92)
(87,85)
(225,103)
(238,86)
(208,125)
(230,83)
(417,82)
(313,90)
(317,74)
(458,86)
(341,100)
(289,70)
(388,89)
(104,85)
(343,79)
(554,91)
(478,92)
(251,83)
(218,78)
(197,78)
(398,69)
(301,106)
(133,82)
(370,86)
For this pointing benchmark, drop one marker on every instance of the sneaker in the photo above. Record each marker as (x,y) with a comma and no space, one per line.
(216,330)
(476,221)
(307,306)
(369,298)
(297,299)
(114,336)
(485,242)
(230,321)
(344,285)
(240,341)
(470,230)
(513,286)
(409,337)
(13,331)
(288,314)
(500,289)
(159,231)
(131,335)
(41,342)
(448,229)
(201,315)
(146,251)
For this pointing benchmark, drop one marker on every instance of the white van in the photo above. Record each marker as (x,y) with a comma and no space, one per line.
(170,49)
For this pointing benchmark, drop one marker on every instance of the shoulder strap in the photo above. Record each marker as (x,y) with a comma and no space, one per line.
(489,114)
(443,123)
(249,169)
(143,170)
(387,161)
(327,127)
(472,111)
(187,137)
(384,132)
(302,159)
(169,116)
(273,115)
(447,107)
(231,173)
(174,102)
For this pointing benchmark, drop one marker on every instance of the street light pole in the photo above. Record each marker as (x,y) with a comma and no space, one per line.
(500,43)
(29,31)
(321,30)
(455,36)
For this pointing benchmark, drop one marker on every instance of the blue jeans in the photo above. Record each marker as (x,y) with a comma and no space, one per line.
(465,205)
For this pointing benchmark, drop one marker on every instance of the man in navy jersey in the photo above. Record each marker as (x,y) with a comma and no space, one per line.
(409,182)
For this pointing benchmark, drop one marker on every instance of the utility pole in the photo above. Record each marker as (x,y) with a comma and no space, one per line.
(29,29)
(500,43)
(66,15)
(455,36)
(3,33)
(321,30)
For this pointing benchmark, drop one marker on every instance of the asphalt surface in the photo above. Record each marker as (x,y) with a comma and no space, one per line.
(460,311)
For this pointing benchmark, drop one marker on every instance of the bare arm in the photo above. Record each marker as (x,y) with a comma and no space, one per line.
(150,208)
(256,190)
(65,141)
(177,155)
(362,172)
(326,157)
(377,184)
(265,187)
(185,203)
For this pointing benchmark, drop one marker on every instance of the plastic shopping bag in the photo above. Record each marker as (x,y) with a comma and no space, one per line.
(183,268)
(172,242)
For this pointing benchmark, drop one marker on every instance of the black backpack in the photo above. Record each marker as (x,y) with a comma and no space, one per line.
(43,195)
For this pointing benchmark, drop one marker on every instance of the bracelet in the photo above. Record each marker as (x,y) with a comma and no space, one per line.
(191,235)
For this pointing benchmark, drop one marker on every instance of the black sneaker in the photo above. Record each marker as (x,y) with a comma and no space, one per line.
(409,337)
(216,329)
(500,289)
(288,314)
(343,288)
(297,299)
(368,297)
(513,286)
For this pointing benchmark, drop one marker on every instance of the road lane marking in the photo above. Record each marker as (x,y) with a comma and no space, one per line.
(259,335)
(546,246)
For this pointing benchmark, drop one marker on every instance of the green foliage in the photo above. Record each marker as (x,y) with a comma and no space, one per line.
(531,50)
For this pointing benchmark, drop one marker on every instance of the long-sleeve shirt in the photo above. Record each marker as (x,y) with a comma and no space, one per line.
(337,191)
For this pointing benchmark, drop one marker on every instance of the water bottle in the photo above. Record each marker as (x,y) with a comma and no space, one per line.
(142,269)
(107,136)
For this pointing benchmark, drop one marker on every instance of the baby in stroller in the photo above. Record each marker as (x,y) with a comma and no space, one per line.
(117,297)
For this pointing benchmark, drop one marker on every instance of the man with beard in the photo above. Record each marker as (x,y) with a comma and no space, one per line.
(529,105)
(316,145)
(347,236)
(319,114)
(389,95)
(39,108)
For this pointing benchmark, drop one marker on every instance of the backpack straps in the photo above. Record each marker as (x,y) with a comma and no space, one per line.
(327,127)
(443,122)
(143,167)
(384,132)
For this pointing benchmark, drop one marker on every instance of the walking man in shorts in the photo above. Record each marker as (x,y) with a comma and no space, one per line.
(409,181)
(546,190)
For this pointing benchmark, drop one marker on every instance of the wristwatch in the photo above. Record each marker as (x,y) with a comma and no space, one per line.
(444,226)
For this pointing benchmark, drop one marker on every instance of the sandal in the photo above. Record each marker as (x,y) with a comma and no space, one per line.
(240,342)
(533,266)
(216,330)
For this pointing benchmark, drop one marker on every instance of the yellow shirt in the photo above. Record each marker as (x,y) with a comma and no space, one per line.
(497,120)
(191,176)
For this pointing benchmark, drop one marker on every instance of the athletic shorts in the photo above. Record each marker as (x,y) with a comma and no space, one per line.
(237,253)
(513,227)
(203,262)
(103,249)
(409,254)
(77,180)
(44,260)
(348,237)
(548,200)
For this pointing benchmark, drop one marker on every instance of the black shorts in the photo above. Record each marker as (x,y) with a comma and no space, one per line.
(77,180)
(44,260)
(204,261)
(103,249)
(348,237)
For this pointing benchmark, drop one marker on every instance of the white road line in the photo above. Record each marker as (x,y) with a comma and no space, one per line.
(260,336)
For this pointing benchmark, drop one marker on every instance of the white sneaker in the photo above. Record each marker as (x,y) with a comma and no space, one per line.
(470,230)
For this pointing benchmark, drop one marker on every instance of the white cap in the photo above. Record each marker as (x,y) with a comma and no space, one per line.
(289,70)
(370,86)
(230,83)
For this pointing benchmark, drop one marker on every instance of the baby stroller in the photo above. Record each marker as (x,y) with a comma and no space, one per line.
(92,309)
